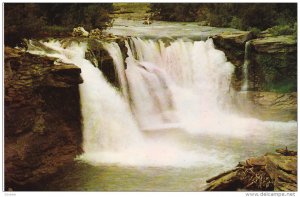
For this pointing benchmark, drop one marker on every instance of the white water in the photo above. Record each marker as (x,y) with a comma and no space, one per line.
(176,92)
(245,67)
(115,52)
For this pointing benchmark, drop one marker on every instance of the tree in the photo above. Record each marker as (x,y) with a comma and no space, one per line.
(20,21)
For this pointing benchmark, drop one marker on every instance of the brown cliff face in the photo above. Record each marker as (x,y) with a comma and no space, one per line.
(42,117)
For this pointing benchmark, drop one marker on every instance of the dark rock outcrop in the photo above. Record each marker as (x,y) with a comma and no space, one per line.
(274,64)
(42,117)
(97,54)
(271,172)
(273,60)
(233,45)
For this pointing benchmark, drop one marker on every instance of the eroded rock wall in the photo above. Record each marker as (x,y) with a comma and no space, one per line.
(42,117)
(273,60)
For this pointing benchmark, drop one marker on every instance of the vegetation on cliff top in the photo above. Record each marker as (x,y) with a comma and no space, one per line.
(27,20)
(244,16)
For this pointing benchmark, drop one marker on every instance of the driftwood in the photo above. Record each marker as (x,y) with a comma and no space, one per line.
(221,175)
(271,172)
(286,152)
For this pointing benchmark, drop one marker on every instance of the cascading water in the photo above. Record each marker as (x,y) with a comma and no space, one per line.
(245,67)
(115,52)
(175,109)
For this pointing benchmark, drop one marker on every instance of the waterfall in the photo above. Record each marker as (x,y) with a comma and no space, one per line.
(245,67)
(179,84)
(170,94)
(106,115)
(115,52)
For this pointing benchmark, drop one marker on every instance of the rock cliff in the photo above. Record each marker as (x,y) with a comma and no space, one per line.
(42,117)
(273,60)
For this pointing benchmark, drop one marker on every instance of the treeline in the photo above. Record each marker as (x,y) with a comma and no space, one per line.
(27,20)
(244,16)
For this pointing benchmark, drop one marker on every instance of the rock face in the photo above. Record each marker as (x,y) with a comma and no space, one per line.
(273,60)
(233,45)
(268,105)
(274,63)
(42,117)
(271,172)
(98,56)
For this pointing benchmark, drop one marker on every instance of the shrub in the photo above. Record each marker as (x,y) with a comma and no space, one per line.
(282,30)
(235,23)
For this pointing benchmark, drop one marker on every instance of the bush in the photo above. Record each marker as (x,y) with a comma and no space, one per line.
(255,31)
(282,30)
(235,23)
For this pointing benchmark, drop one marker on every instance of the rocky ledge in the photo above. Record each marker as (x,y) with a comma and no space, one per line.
(233,45)
(42,117)
(272,60)
(271,172)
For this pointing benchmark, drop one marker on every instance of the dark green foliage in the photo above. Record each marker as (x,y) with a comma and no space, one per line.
(243,16)
(284,86)
(279,73)
(21,21)
(27,20)
(174,11)
(283,30)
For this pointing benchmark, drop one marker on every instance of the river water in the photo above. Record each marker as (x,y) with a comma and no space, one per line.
(173,125)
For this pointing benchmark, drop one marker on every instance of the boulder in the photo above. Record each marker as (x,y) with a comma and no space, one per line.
(80,31)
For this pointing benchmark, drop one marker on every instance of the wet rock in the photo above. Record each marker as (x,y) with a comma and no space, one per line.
(42,117)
